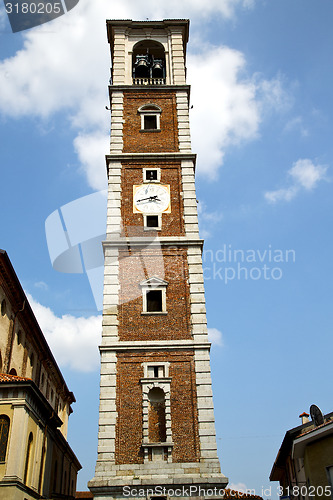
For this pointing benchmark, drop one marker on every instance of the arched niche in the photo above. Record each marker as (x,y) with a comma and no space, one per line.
(156,416)
(148,61)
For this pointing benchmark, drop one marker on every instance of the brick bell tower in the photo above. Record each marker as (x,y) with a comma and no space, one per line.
(156,420)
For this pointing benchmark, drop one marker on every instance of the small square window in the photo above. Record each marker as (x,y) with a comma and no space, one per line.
(154,296)
(152,221)
(156,371)
(150,122)
(154,301)
(150,117)
(151,175)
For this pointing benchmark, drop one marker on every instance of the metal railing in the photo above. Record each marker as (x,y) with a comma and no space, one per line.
(148,81)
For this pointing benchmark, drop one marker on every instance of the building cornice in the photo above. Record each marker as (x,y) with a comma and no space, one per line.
(158,345)
(34,401)
(182,24)
(45,410)
(150,88)
(155,241)
(118,157)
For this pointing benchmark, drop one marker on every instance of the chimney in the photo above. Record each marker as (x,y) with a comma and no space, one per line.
(305,418)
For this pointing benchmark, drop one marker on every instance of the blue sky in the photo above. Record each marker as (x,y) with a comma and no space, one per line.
(261,78)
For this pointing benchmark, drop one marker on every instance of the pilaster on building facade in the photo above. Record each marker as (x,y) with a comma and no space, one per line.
(156,421)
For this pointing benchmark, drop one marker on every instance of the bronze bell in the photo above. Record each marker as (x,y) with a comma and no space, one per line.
(157,69)
(141,66)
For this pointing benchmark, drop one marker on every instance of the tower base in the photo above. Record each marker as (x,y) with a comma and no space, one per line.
(159,480)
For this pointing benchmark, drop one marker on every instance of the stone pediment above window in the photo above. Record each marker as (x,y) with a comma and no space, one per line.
(150,117)
(154,282)
(153,108)
(154,295)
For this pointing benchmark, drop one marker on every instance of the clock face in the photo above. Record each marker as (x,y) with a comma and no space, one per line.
(151,198)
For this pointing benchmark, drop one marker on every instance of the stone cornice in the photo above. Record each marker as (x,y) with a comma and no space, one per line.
(41,407)
(159,345)
(118,157)
(158,242)
(150,88)
(128,24)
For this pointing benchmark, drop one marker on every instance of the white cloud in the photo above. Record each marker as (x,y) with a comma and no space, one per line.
(215,336)
(241,487)
(304,174)
(64,67)
(73,341)
(307,174)
(90,148)
(228,107)
(193,9)
(224,107)
(296,124)
(53,72)
(65,64)
(207,219)
(273,94)
(42,285)
(284,194)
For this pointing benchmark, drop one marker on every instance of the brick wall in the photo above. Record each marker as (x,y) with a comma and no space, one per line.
(172,223)
(129,408)
(136,141)
(156,422)
(184,418)
(137,265)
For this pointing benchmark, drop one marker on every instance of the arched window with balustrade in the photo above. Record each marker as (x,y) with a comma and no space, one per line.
(148,63)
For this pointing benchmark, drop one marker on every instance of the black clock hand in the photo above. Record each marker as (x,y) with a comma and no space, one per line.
(150,198)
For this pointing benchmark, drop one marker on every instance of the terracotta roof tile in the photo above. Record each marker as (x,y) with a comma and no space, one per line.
(4,377)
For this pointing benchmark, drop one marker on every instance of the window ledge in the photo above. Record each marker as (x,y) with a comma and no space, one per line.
(149,380)
(150,130)
(153,445)
(151,313)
